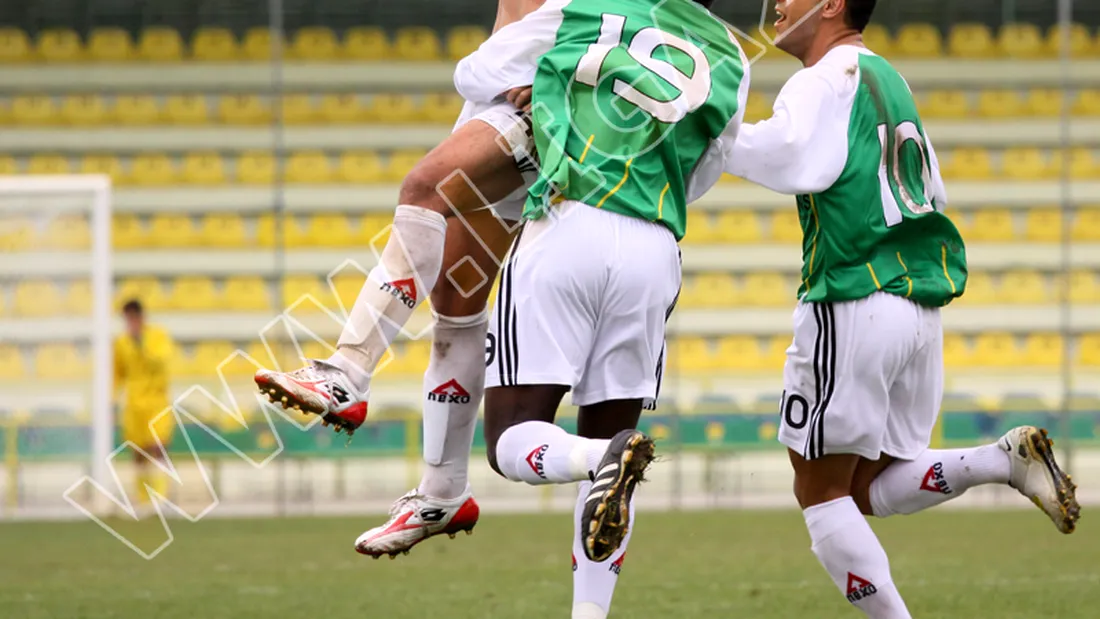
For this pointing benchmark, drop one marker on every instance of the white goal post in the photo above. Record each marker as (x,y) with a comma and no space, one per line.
(39,201)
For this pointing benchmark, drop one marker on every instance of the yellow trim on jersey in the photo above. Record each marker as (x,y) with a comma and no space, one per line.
(586,147)
(622,181)
(908,279)
(661,201)
(943,254)
(874,277)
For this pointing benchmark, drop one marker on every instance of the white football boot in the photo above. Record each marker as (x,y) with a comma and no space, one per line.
(319,388)
(1037,476)
(416,517)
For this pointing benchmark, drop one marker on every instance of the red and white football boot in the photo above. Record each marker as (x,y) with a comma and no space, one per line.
(414,518)
(319,388)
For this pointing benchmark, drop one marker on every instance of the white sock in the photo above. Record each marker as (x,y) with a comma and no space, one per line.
(404,276)
(848,549)
(539,453)
(594,583)
(936,476)
(453,387)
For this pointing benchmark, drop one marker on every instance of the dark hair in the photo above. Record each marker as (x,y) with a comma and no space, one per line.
(858,13)
(133,306)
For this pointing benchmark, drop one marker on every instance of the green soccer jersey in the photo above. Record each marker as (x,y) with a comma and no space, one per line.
(869,192)
(632,99)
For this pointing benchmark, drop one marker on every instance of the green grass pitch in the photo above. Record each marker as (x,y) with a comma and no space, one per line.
(752,565)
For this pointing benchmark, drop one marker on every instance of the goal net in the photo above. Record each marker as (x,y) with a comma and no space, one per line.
(55,339)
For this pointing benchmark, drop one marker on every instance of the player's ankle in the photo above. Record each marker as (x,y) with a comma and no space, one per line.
(351,362)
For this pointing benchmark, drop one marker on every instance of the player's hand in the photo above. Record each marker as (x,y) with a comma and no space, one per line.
(520,97)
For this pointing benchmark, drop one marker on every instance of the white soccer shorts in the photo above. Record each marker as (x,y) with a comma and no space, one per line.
(583,301)
(514,128)
(862,377)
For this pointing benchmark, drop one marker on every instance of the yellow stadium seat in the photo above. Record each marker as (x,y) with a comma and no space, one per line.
(401,162)
(877,38)
(979,289)
(1020,41)
(956,351)
(1026,164)
(700,227)
(766,289)
(34,110)
(127,232)
(8,166)
(256,168)
(246,294)
(168,230)
(366,43)
(257,44)
(991,224)
(153,169)
(1044,225)
(1082,164)
(186,110)
(15,46)
(146,289)
(716,290)
(59,362)
(70,232)
(393,108)
(11,362)
(214,44)
(1083,287)
(971,40)
(370,227)
(5,112)
(60,45)
(206,168)
(103,164)
(416,43)
(297,110)
(78,298)
(1080,45)
(194,294)
(346,286)
(967,164)
(1043,350)
(738,352)
(314,43)
(1023,287)
(48,164)
(441,107)
(360,168)
(1044,102)
(919,41)
(329,230)
(1087,103)
(222,230)
(309,167)
(1000,104)
(84,110)
(110,45)
(265,230)
(135,110)
(342,109)
(410,359)
(946,104)
(243,110)
(692,354)
(738,227)
(308,289)
(463,40)
(160,44)
(1088,350)
(214,357)
(1086,225)
(37,299)
(774,354)
(17,234)
(758,107)
(996,350)
(785,227)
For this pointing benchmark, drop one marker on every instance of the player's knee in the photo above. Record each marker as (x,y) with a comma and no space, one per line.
(459,298)
(812,490)
(420,187)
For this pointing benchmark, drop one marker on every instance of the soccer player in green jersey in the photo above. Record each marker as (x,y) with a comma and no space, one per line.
(863,380)
(635,103)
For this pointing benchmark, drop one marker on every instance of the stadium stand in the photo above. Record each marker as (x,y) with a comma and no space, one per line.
(192,159)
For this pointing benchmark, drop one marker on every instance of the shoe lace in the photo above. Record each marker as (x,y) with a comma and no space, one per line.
(412,496)
(314,369)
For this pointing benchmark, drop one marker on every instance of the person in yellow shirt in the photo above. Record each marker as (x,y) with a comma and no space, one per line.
(142,357)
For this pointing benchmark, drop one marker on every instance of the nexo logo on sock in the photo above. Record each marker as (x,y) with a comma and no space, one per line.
(933,480)
(403,290)
(534,460)
(859,588)
(449,392)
